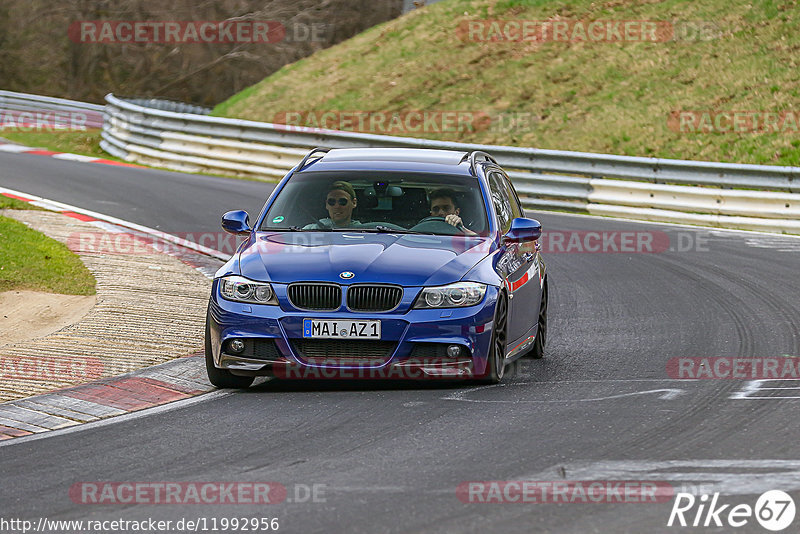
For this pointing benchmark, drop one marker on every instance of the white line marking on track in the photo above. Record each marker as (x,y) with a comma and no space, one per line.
(14,148)
(45,205)
(666,394)
(150,231)
(74,157)
(108,227)
(728,476)
(755,386)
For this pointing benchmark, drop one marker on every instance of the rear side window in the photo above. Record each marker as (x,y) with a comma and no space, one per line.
(502,205)
(516,208)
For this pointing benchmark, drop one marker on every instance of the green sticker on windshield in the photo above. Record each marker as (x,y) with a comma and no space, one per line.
(278,219)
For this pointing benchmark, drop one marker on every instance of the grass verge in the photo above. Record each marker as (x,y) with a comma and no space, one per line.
(86,143)
(606,97)
(31,260)
(14,204)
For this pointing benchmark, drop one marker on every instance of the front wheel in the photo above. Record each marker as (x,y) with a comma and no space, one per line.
(496,364)
(222,378)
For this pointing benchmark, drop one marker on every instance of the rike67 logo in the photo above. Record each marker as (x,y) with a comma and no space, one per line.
(774,510)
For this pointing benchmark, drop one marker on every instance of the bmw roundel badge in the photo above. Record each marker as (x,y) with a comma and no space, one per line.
(347,275)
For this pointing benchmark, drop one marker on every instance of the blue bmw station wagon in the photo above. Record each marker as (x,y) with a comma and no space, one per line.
(380,262)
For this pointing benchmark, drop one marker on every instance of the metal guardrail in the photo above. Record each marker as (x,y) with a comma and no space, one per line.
(34,111)
(753,197)
(184,137)
(169,105)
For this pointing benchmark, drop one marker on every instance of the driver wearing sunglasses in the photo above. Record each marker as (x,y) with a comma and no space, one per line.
(340,203)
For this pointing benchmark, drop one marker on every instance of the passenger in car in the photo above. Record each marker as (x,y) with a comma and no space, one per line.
(443,204)
(340,203)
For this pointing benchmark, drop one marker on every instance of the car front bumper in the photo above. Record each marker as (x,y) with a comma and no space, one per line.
(414,341)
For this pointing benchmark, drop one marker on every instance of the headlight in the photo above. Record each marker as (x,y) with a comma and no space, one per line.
(456,295)
(240,289)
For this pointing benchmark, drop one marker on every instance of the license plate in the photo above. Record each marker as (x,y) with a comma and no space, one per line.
(335,329)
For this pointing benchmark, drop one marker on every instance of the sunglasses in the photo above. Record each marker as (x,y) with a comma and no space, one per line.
(342,201)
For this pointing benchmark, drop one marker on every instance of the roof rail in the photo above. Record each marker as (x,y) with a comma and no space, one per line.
(308,156)
(473,159)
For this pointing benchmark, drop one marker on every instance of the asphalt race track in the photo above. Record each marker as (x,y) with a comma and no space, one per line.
(388,457)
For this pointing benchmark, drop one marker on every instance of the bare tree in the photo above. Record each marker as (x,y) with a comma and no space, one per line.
(37,54)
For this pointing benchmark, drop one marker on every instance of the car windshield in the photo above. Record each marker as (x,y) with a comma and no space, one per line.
(368,201)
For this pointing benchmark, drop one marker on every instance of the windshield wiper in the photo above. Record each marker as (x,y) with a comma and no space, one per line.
(297,229)
(388,230)
(281,229)
(377,230)
(380,229)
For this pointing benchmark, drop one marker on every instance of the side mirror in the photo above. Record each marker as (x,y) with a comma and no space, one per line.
(236,222)
(523,229)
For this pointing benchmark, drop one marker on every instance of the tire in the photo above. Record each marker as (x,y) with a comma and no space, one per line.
(537,353)
(496,364)
(222,378)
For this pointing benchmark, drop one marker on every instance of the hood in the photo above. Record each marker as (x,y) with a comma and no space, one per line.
(409,260)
